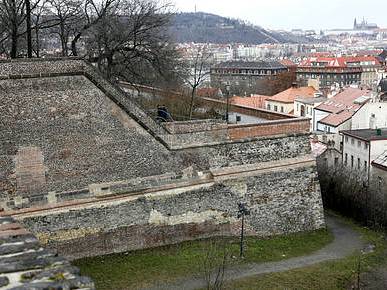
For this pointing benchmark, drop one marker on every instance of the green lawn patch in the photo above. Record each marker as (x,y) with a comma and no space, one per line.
(137,269)
(331,275)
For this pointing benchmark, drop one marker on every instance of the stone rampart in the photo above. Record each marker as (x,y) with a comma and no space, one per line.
(282,198)
(89,172)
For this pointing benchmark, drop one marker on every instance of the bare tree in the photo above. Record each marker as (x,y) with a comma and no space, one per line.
(12,14)
(215,260)
(93,12)
(197,70)
(67,14)
(132,41)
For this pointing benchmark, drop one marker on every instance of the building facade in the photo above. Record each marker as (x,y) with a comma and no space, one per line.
(362,147)
(328,71)
(245,78)
(283,102)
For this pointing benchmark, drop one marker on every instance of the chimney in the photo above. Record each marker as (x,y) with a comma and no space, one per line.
(372,121)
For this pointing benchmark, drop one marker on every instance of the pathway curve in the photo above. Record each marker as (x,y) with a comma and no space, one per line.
(346,241)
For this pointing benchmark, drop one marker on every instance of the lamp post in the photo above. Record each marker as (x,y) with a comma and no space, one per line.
(242,212)
(228,102)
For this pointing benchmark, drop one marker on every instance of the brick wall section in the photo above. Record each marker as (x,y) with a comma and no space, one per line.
(30,171)
(269,129)
(260,113)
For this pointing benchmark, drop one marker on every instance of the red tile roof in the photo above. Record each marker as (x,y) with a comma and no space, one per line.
(344,101)
(288,63)
(338,62)
(255,101)
(290,95)
(343,106)
(337,119)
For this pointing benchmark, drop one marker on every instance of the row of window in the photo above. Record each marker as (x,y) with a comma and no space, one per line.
(359,143)
(358,165)
(245,71)
(275,108)
(333,76)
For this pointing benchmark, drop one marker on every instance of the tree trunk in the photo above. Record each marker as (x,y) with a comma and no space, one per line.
(14,40)
(192,103)
(74,44)
(37,41)
(29,32)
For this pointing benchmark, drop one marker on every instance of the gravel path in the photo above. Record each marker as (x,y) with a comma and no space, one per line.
(346,241)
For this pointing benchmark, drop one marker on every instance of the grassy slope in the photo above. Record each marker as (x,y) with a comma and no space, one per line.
(140,268)
(329,275)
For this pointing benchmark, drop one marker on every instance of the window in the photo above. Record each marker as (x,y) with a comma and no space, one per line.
(352,141)
(346,139)
(275,108)
(351,161)
(268,107)
(358,163)
(282,109)
(336,161)
(346,159)
(365,165)
(358,143)
(366,146)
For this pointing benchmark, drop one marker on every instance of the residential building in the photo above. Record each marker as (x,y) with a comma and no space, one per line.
(304,106)
(328,71)
(362,147)
(371,115)
(335,113)
(379,173)
(283,102)
(244,78)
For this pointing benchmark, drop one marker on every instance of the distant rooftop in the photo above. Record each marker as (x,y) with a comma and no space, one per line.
(251,65)
(367,134)
(381,161)
(311,101)
(350,99)
(291,94)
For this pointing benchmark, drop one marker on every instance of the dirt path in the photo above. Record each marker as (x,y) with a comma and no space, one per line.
(346,241)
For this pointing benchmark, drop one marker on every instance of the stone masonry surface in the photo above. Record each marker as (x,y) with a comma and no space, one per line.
(26,265)
(89,172)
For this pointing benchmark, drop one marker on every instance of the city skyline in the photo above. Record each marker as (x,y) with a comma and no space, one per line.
(306,14)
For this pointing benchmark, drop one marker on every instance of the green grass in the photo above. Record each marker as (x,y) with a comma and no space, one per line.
(138,269)
(328,275)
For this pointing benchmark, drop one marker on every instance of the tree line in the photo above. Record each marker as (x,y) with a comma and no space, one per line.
(125,38)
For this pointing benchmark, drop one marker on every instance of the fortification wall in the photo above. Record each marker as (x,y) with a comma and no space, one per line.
(89,172)
(281,200)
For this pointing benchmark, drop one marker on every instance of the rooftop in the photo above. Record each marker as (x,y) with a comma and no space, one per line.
(251,65)
(340,62)
(348,100)
(255,101)
(381,161)
(367,134)
(311,101)
(291,94)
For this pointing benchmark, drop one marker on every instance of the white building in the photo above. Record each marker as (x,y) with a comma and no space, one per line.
(362,147)
(370,116)
(335,114)
(304,107)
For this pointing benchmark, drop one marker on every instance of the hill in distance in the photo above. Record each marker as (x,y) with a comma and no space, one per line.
(209,28)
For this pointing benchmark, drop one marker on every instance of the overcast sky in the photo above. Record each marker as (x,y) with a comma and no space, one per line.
(289,14)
